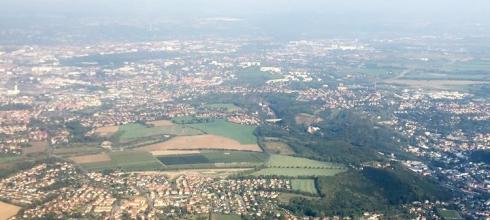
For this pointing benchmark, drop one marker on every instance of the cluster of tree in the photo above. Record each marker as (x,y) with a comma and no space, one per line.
(78,132)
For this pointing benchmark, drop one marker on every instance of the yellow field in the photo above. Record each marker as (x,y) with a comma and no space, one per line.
(198,142)
(7,210)
(160,123)
(92,158)
(106,131)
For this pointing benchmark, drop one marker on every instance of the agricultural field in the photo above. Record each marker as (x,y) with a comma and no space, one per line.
(8,210)
(223,106)
(281,161)
(209,159)
(160,123)
(77,150)
(281,165)
(241,133)
(128,161)
(199,142)
(37,147)
(6,159)
(135,131)
(106,131)
(278,147)
(297,172)
(215,216)
(92,158)
(304,185)
(173,152)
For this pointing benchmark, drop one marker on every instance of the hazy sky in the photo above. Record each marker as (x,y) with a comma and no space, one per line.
(275,17)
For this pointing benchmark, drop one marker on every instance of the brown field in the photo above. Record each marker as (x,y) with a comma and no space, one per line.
(106,131)
(306,119)
(93,158)
(434,84)
(37,147)
(173,152)
(7,210)
(278,147)
(160,123)
(198,142)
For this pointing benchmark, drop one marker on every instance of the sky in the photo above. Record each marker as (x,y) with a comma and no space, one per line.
(286,18)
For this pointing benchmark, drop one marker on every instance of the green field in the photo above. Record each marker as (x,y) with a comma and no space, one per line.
(134,131)
(214,159)
(448,214)
(304,185)
(72,151)
(280,165)
(6,159)
(241,133)
(223,106)
(215,216)
(128,161)
(282,161)
(297,172)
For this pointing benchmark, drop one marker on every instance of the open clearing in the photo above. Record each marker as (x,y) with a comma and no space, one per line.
(135,131)
(306,119)
(127,161)
(297,172)
(7,210)
(216,216)
(72,151)
(304,185)
(449,214)
(37,147)
(281,165)
(278,147)
(241,133)
(211,159)
(106,131)
(285,198)
(93,158)
(173,152)
(281,161)
(223,106)
(161,123)
(201,142)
